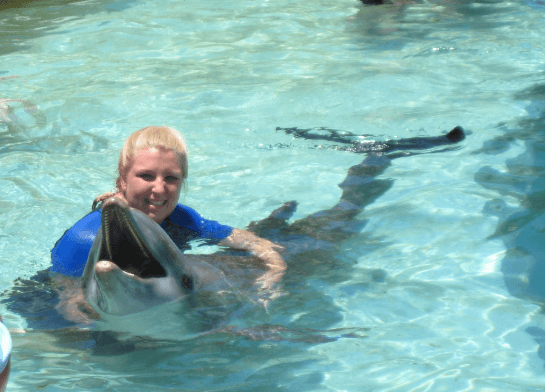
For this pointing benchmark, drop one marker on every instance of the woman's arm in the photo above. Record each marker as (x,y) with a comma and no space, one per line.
(265,250)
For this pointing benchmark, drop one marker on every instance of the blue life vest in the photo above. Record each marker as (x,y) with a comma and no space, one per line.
(184,224)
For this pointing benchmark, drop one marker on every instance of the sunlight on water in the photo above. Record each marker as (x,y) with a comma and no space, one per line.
(441,287)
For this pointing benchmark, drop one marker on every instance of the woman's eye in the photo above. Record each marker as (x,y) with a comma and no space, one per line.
(146,176)
(171,179)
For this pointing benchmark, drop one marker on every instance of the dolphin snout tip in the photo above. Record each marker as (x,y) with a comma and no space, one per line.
(105,266)
(115,200)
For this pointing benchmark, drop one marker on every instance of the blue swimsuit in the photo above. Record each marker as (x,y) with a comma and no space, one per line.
(184,224)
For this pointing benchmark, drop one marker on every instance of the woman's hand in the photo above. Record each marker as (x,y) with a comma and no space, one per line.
(264,250)
(72,302)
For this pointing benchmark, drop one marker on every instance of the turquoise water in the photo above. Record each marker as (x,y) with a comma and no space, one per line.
(441,289)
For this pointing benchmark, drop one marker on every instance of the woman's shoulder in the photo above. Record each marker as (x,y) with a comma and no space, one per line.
(86,226)
(188,218)
(183,209)
(70,252)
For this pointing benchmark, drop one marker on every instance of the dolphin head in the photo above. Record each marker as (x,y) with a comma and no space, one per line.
(133,264)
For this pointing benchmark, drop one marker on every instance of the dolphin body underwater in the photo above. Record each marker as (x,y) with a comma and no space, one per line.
(134,267)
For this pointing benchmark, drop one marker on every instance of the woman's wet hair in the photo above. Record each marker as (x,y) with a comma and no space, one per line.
(158,137)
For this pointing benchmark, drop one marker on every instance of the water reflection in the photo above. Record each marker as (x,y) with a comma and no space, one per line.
(24,20)
(522,207)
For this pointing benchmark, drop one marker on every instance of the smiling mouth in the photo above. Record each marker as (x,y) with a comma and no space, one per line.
(156,203)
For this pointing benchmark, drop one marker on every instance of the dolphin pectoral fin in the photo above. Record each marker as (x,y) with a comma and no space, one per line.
(278,219)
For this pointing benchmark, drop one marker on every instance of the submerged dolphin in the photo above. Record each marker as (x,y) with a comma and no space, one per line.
(133,265)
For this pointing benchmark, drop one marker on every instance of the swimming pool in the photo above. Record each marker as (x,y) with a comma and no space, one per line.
(441,289)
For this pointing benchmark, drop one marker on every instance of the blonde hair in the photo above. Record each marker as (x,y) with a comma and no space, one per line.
(159,137)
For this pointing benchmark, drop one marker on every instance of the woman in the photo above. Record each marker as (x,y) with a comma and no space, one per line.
(152,171)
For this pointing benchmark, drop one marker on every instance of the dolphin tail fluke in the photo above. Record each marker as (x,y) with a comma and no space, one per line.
(456,135)
(366,144)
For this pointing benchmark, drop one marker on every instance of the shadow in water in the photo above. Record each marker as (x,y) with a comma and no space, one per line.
(521,228)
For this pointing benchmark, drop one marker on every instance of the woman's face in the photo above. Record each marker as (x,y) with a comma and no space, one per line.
(153,183)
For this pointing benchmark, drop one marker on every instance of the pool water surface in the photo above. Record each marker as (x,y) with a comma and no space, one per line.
(440,288)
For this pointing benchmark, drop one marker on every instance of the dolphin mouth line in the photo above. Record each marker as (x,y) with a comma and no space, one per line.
(124,245)
(122,217)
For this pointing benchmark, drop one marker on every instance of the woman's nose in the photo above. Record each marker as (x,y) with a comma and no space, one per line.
(159,186)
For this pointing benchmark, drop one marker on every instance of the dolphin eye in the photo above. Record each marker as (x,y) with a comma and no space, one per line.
(187,282)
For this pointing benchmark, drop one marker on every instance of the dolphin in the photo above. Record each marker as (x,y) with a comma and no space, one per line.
(133,265)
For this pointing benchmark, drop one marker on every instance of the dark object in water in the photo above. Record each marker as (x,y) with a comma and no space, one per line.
(359,144)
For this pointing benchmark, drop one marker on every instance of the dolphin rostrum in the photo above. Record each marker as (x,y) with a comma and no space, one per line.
(133,265)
